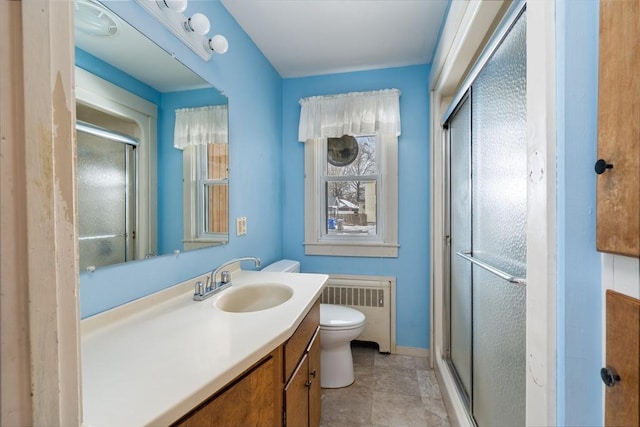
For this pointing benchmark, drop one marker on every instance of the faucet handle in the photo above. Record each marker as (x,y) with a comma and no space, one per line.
(225,277)
(199,288)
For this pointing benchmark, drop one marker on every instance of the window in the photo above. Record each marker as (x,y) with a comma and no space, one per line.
(351,173)
(351,210)
(350,188)
(206,189)
(202,134)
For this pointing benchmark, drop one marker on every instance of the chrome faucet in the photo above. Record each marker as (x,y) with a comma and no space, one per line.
(203,292)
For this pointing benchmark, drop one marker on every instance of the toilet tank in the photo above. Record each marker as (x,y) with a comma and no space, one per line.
(284,266)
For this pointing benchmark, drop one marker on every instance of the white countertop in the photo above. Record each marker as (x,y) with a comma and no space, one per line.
(150,363)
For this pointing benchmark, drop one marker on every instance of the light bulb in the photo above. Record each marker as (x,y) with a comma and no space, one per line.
(177,6)
(198,23)
(218,44)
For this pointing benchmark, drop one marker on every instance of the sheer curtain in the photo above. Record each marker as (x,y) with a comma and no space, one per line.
(355,113)
(200,126)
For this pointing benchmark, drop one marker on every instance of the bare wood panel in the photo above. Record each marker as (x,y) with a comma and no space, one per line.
(315,391)
(618,211)
(622,403)
(297,344)
(297,396)
(218,195)
(253,400)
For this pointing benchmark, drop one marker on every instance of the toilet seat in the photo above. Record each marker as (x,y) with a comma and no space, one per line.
(337,317)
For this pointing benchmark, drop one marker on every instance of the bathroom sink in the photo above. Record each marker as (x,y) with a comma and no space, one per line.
(250,298)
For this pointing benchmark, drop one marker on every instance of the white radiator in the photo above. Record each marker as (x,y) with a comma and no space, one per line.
(372,295)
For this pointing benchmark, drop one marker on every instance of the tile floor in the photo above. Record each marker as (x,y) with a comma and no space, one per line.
(389,390)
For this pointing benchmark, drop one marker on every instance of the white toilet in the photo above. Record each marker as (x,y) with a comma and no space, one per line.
(339,326)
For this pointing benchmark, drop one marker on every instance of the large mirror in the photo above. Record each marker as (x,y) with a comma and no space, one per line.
(146,185)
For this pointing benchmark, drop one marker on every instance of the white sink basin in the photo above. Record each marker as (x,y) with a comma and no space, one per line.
(250,298)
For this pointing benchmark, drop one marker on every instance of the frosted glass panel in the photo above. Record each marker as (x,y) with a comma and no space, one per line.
(499,157)
(102,200)
(460,289)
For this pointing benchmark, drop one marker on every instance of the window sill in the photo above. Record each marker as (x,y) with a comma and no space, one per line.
(197,244)
(358,249)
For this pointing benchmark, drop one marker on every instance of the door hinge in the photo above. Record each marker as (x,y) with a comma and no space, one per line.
(448,239)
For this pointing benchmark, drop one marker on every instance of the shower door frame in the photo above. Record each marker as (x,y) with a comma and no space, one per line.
(469,25)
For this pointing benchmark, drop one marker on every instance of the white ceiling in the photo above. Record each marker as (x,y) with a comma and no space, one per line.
(313,37)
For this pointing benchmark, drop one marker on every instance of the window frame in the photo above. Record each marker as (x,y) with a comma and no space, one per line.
(385,243)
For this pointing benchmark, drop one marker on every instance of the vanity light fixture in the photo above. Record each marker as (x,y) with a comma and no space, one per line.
(198,23)
(94,19)
(192,31)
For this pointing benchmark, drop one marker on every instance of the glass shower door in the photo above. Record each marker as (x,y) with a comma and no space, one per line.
(106,195)
(499,232)
(460,241)
(488,149)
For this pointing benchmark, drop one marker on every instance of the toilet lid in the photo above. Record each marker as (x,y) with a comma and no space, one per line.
(339,316)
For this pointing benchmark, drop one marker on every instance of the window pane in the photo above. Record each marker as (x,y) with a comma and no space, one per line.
(351,208)
(217,161)
(216,212)
(364,163)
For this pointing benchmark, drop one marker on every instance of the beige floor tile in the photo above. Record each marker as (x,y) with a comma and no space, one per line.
(395,360)
(435,406)
(389,390)
(398,410)
(397,380)
(349,404)
(428,384)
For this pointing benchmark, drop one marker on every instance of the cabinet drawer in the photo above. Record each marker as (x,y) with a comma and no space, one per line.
(297,344)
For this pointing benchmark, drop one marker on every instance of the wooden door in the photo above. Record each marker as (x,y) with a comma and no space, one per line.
(315,391)
(618,208)
(253,400)
(296,396)
(622,403)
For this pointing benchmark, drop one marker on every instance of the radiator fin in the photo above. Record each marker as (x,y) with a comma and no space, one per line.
(357,297)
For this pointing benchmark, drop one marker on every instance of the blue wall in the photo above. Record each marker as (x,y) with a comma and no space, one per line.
(412,265)
(579,294)
(254,89)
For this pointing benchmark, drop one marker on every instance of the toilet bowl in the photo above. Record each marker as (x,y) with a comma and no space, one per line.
(339,326)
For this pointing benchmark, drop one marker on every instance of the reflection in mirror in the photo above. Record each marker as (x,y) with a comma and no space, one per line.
(132,203)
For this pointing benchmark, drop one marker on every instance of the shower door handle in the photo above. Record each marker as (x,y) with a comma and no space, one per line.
(491,269)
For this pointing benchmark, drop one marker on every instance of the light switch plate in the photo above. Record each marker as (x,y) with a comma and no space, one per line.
(241,226)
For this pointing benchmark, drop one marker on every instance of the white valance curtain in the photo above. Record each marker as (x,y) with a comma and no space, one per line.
(200,126)
(355,113)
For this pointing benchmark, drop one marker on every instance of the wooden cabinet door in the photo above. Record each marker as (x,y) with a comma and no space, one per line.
(618,209)
(315,391)
(622,403)
(254,399)
(296,396)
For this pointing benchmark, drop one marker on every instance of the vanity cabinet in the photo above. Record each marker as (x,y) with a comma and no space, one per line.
(253,399)
(618,166)
(302,390)
(302,373)
(281,389)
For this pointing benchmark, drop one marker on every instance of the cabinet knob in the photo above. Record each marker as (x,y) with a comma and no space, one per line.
(601,166)
(307,384)
(609,377)
(313,373)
